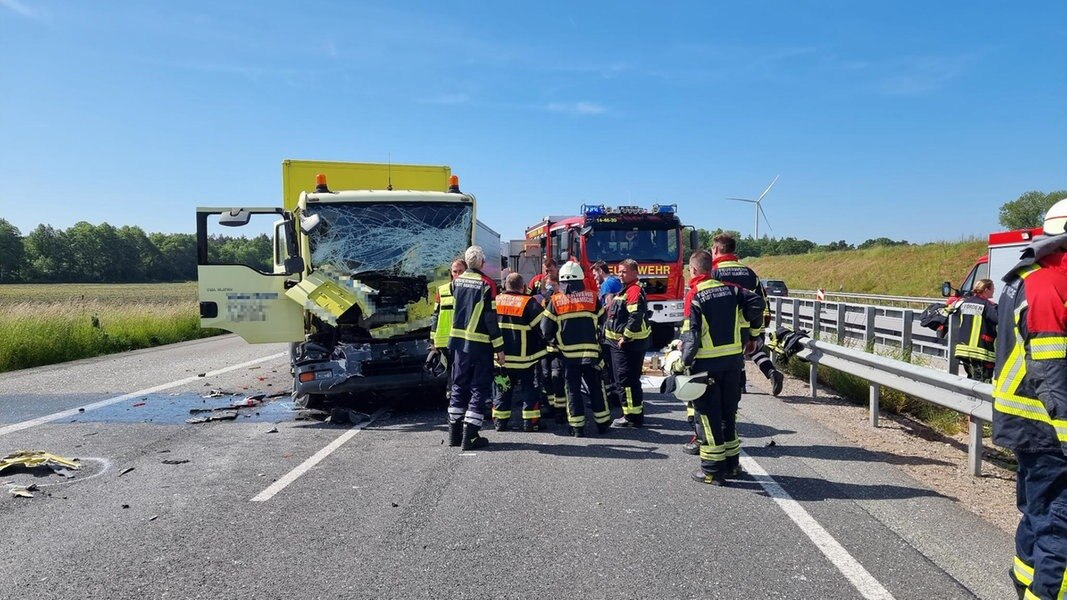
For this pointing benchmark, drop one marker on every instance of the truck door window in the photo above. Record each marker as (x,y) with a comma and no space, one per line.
(968,282)
(280,249)
(250,245)
(557,244)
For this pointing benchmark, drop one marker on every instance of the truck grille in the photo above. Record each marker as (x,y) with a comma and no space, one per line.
(398,366)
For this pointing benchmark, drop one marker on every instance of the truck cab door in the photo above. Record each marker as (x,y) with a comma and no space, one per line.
(245,293)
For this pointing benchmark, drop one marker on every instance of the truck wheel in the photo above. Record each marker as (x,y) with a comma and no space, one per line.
(310,401)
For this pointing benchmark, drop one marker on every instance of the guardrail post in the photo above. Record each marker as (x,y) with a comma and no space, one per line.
(953,327)
(816,320)
(905,338)
(876,398)
(813,378)
(796,314)
(777,316)
(841,318)
(974,445)
(868,328)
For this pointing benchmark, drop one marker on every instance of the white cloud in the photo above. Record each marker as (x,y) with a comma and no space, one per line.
(22,9)
(578,108)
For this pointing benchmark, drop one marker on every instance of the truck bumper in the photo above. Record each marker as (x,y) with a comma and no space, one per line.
(665,311)
(356,368)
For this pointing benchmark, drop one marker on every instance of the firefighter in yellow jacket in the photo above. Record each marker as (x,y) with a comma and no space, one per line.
(441,325)
(520,316)
(574,319)
(977,333)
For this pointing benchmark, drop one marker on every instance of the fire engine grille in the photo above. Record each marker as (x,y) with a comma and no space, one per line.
(654,285)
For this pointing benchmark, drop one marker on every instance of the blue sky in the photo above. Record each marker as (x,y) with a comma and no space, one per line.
(911,120)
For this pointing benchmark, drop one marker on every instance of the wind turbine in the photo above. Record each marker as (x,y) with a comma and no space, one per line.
(759,209)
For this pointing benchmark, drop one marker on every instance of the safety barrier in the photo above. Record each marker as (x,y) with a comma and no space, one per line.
(856,298)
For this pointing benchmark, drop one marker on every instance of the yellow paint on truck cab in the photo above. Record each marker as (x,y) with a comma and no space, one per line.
(299,176)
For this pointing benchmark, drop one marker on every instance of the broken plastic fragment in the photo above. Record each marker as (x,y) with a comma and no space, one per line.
(23,491)
(31,459)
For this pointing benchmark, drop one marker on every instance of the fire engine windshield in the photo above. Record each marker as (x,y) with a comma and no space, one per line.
(612,245)
(405,239)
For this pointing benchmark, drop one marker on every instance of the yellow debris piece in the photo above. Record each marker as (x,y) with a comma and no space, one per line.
(32,459)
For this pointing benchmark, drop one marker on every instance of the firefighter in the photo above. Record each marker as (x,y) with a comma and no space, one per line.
(1030,405)
(627,331)
(441,325)
(726,268)
(549,270)
(520,325)
(977,332)
(551,379)
(714,337)
(609,285)
(574,319)
(474,339)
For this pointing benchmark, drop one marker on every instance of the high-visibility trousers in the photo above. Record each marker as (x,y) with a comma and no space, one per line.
(1041,538)
(584,384)
(716,422)
(627,363)
(472,386)
(521,392)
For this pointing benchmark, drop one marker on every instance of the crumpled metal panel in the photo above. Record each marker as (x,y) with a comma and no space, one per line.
(32,459)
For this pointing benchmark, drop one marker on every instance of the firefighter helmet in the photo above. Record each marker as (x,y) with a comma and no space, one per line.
(436,363)
(691,387)
(571,271)
(1056,218)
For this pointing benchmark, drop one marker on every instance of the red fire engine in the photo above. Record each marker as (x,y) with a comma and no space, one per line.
(1003,254)
(651,237)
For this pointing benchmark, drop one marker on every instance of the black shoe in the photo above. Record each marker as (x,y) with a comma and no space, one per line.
(708,478)
(471,439)
(531,425)
(455,433)
(502,425)
(777,379)
(603,428)
(737,473)
(561,417)
(692,446)
(578,431)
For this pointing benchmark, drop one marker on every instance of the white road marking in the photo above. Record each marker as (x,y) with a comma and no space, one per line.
(315,459)
(152,390)
(858,576)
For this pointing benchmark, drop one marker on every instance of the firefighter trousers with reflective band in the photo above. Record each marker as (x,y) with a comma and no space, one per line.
(584,384)
(611,388)
(716,422)
(552,380)
(627,362)
(521,391)
(1041,538)
(472,386)
(761,358)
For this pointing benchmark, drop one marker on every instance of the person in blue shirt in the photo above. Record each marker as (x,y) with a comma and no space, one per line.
(609,284)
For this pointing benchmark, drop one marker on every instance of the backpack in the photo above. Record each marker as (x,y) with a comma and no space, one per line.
(935,317)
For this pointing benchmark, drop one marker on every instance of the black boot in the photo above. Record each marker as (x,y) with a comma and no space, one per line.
(502,425)
(531,425)
(455,433)
(578,431)
(471,439)
(603,428)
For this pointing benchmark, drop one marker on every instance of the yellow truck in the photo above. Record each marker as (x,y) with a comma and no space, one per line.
(359,250)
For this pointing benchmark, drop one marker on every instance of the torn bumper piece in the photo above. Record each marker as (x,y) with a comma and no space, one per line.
(328,299)
(31,459)
(366,367)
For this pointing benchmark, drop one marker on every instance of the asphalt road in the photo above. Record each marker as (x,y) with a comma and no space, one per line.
(388,510)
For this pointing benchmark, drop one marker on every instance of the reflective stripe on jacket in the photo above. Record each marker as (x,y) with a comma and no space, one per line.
(474,320)
(574,322)
(978,329)
(628,315)
(1030,380)
(442,317)
(520,325)
(717,314)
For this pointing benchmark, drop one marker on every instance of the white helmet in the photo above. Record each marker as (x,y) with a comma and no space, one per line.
(571,271)
(691,387)
(1056,218)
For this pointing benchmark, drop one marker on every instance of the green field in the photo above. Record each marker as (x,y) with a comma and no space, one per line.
(896,271)
(51,323)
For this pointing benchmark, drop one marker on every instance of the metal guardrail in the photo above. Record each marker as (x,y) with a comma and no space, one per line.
(857,298)
(960,394)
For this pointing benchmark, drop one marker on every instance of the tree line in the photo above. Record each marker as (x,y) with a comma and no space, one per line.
(87,253)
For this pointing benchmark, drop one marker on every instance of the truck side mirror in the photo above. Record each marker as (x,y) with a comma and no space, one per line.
(564,241)
(586,231)
(544,242)
(236,217)
(694,239)
(946,289)
(293,265)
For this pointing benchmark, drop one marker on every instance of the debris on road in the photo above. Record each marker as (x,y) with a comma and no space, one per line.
(175,461)
(273,429)
(223,415)
(771,444)
(153,517)
(124,471)
(31,459)
(136,404)
(23,491)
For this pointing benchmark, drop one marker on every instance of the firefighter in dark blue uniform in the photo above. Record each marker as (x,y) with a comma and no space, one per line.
(627,331)
(574,318)
(474,339)
(1030,406)
(977,333)
(520,317)
(714,337)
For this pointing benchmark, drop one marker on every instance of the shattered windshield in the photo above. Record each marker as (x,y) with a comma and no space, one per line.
(615,244)
(405,239)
